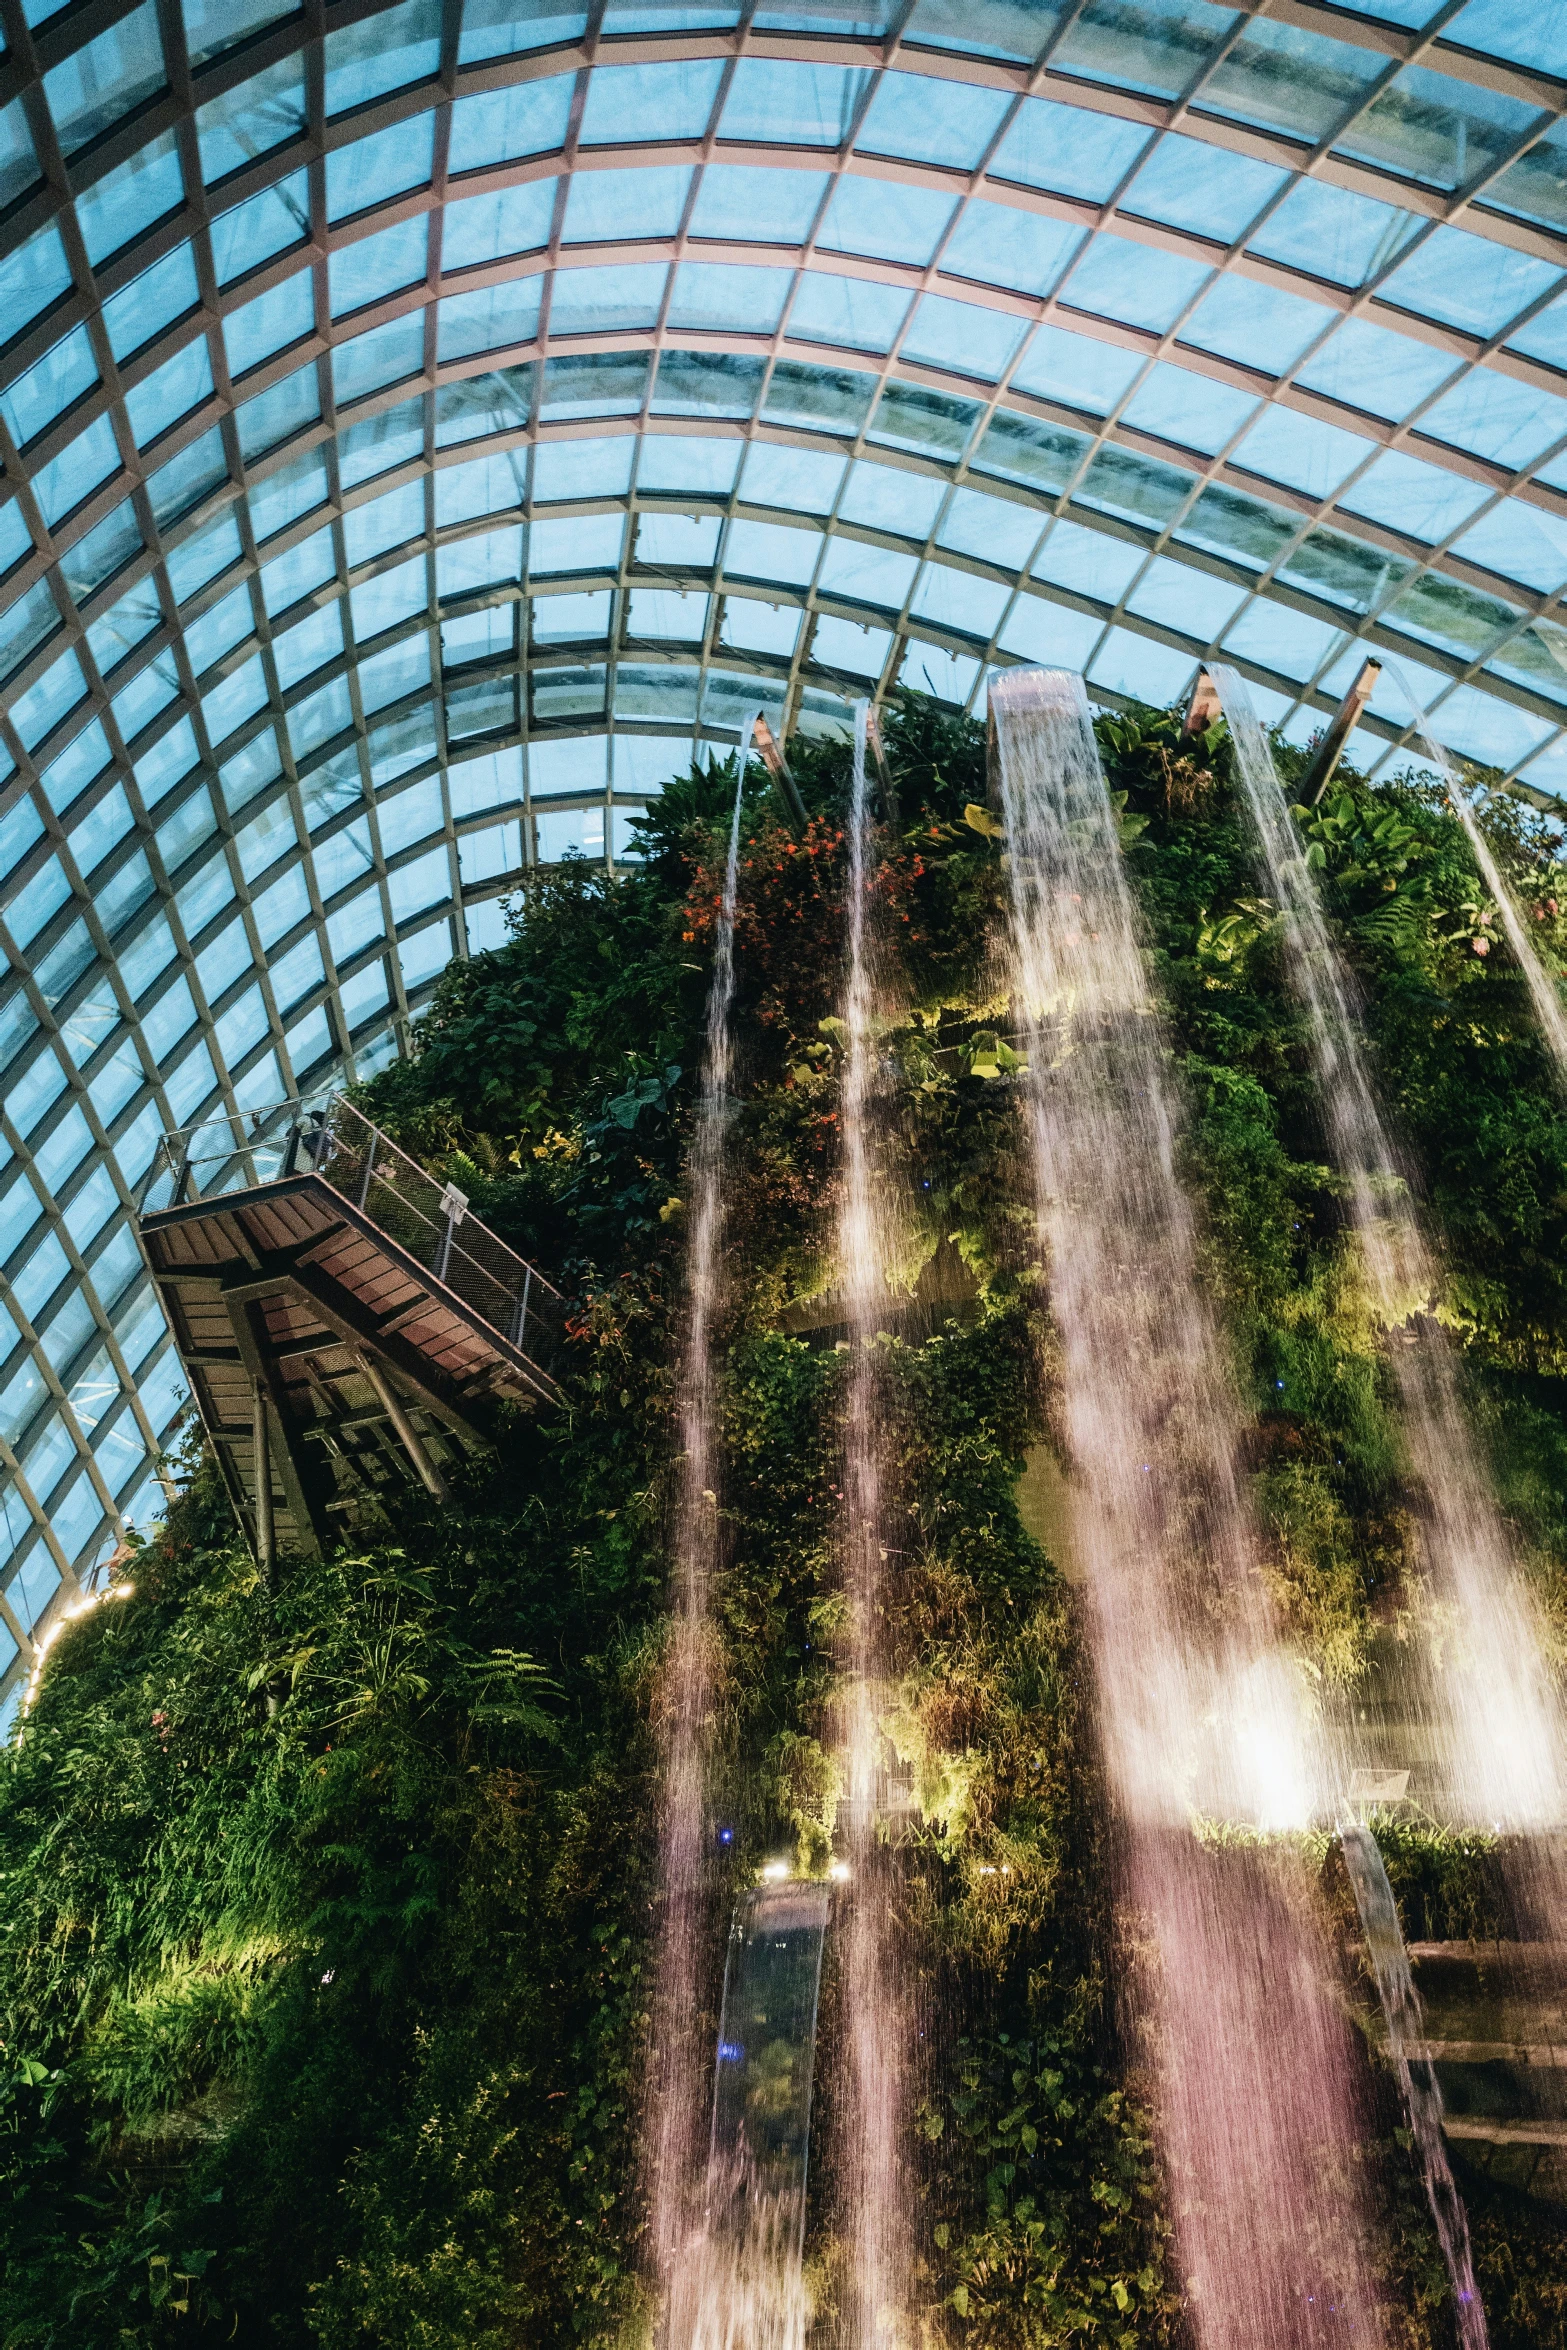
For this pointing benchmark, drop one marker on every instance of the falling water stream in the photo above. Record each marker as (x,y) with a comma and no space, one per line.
(873,2094)
(1502,1735)
(1415,2072)
(676,2137)
(1198,1707)
(1544,992)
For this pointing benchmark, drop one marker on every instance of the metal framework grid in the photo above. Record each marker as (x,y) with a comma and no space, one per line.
(426,422)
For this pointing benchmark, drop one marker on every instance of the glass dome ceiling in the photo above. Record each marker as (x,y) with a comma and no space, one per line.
(421,423)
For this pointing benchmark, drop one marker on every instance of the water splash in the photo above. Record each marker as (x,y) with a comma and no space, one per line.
(873,2188)
(679,2049)
(1415,2072)
(1198,1707)
(1503,1736)
(740,2284)
(1544,991)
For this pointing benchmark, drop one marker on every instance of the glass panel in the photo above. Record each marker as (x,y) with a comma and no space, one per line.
(25,625)
(959,336)
(616,206)
(369,362)
(1192,185)
(1521,542)
(1069,150)
(374,444)
(860,315)
(1469,281)
(500,28)
(1332,233)
(244,123)
(1139,488)
(1497,417)
(1227,523)
(887,498)
(396,46)
(489,228)
(1156,45)
(499,401)
(1190,409)
(94,86)
(49,387)
(747,202)
(597,301)
(990,28)
(489,318)
(149,303)
(707,383)
(212,26)
(794,479)
(380,265)
(268,324)
(32,277)
(1026,449)
(1255,324)
(782,104)
(712,296)
(18,160)
(1081,373)
(179,385)
(528,119)
(391,598)
(627,103)
(1370,367)
(592,383)
(1302,451)
(79,468)
(1004,247)
(187,478)
(386,164)
(951,123)
(1290,80)
(1439,132)
(274,416)
(1535,187)
(1137,283)
(1406,495)
(117,208)
(253,232)
(884,218)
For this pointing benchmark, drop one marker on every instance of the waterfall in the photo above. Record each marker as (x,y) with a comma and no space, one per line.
(873,2091)
(740,2285)
(1198,1708)
(1503,1730)
(679,2052)
(1415,2072)
(1543,989)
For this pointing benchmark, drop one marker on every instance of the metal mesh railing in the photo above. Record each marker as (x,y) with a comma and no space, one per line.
(330,1138)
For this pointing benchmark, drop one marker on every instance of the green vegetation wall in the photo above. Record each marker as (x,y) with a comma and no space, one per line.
(325,1907)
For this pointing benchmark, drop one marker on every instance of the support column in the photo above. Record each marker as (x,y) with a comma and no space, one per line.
(413,1444)
(1330,750)
(778,768)
(266,1536)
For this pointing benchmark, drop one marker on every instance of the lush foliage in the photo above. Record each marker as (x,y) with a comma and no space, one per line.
(323,1926)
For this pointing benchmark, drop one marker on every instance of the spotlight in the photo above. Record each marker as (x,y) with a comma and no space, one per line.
(726,1835)
(775,1869)
(838,1870)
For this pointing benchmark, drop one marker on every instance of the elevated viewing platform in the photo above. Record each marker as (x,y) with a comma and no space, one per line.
(344,1322)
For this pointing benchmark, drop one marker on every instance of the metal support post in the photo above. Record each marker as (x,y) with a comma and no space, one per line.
(266,1535)
(1330,750)
(778,768)
(429,1475)
(364,1180)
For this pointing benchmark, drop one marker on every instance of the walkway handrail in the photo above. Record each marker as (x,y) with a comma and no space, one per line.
(326,1136)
